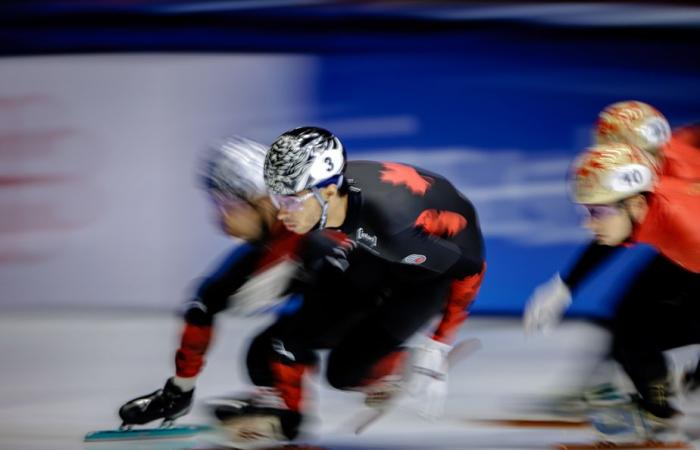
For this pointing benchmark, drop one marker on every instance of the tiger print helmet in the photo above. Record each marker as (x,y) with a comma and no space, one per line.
(303,158)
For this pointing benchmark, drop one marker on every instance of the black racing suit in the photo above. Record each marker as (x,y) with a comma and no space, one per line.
(418,251)
(659,310)
(214,293)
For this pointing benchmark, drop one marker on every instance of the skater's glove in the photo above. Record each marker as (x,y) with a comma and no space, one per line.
(545,308)
(264,290)
(428,380)
(327,250)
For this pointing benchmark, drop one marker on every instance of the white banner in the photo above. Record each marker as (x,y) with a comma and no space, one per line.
(99,203)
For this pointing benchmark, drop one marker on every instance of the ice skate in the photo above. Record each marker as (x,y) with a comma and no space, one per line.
(575,404)
(636,425)
(166,404)
(261,419)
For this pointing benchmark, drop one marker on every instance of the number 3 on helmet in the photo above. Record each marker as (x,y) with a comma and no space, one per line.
(303,158)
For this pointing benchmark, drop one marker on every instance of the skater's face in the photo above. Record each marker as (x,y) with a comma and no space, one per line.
(611,224)
(614,224)
(238,218)
(300,212)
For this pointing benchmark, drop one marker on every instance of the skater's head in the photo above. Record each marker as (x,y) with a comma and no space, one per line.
(232,174)
(612,182)
(634,123)
(304,175)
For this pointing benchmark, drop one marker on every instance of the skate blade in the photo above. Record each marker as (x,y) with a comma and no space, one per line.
(368,419)
(535,423)
(174,432)
(463,350)
(623,445)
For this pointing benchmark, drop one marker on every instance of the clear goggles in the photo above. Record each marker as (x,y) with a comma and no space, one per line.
(290,202)
(597,212)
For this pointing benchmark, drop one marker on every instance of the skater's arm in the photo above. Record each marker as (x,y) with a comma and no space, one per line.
(214,292)
(194,343)
(462,294)
(434,254)
(211,298)
(592,257)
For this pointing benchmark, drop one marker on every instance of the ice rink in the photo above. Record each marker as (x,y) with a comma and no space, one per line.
(63,375)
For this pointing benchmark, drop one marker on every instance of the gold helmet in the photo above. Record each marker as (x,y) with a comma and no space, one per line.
(608,173)
(634,123)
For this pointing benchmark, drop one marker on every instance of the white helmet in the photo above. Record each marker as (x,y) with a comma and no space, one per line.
(608,173)
(233,167)
(304,158)
(633,123)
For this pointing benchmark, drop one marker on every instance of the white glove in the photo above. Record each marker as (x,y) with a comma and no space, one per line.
(546,306)
(263,290)
(428,379)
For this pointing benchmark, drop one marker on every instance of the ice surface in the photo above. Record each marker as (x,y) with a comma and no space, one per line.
(64,374)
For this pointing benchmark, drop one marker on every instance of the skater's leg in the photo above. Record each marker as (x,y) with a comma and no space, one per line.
(658,320)
(373,349)
(324,316)
(276,410)
(279,358)
(263,350)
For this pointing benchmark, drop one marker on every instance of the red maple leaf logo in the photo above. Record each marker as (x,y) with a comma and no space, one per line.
(399,174)
(441,223)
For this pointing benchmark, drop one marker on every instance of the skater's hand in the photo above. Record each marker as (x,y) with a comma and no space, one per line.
(264,290)
(428,380)
(546,306)
(327,250)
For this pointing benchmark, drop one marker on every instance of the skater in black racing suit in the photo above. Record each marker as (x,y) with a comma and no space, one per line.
(387,248)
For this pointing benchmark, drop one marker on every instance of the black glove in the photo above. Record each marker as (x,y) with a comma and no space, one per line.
(326,251)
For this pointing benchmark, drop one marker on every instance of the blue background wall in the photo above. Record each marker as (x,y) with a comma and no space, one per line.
(499,105)
(525,100)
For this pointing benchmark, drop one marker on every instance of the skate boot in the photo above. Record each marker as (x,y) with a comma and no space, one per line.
(167,403)
(654,399)
(263,417)
(661,423)
(633,423)
(380,396)
(650,417)
(382,393)
(388,378)
(578,403)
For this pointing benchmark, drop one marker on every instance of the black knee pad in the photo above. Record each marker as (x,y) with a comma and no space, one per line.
(258,361)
